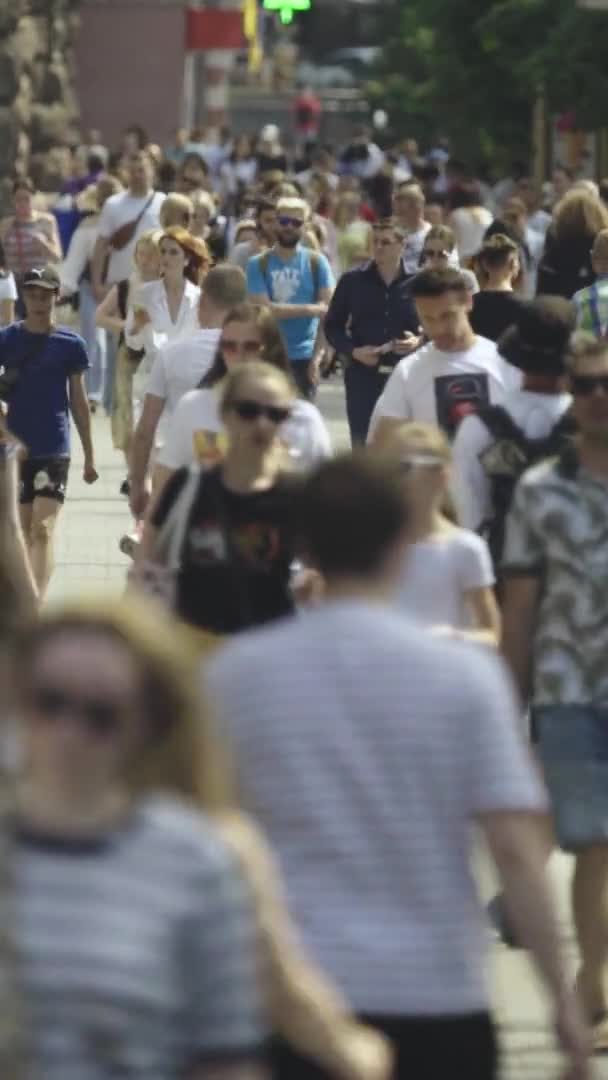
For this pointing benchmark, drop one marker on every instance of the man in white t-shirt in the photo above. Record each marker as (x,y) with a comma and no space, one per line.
(140,203)
(456,373)
(491,450)
(408,208)
(179,367)
(366,772)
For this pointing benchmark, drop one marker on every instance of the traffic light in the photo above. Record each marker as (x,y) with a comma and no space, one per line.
(286,8)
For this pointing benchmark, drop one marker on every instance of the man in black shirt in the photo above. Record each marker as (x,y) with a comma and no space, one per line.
(372,321)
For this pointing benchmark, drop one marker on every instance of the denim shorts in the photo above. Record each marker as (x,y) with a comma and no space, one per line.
(573,748)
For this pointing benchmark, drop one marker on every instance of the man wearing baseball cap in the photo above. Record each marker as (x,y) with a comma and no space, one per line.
(42,370)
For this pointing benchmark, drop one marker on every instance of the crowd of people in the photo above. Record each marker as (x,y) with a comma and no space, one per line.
(239,800)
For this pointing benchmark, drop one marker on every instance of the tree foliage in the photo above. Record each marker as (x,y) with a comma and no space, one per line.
(473,69)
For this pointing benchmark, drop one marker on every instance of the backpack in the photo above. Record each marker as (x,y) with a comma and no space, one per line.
(315,269)
(509,455)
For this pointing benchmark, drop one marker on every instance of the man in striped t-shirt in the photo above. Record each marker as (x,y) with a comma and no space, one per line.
(366,749)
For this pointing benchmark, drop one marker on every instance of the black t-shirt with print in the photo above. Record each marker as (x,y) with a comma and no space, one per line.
(237,553)
(494,312)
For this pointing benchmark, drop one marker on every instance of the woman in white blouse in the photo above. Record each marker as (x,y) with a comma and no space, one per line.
(167,309)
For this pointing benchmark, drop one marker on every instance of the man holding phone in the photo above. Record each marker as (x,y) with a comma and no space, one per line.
(373,322)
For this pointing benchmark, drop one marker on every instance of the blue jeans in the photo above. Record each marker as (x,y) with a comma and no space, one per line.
(95,341)
(363,386)
(573,748)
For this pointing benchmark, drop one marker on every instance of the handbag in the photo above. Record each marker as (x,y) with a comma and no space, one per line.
(157,577)
(125,233)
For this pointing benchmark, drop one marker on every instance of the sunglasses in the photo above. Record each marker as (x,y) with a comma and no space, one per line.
(296,223)
(231,348)
(586,385)
(430,254)
(98,717)
(252,410)
(421,461)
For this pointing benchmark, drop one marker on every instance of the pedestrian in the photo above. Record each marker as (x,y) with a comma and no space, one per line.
(29,236)
(177,210)
(353,233)
(266,234)
(367,786)
(439,252)
(112,317)
(42,378)
(496,306)
(155,970)
(372,323)
(408,208)
(554,638)
(468,218)
(8,292)
(123,220)
(179,367)
(167,309)
(193,175)
(75,275)
(17,584)
(196,430)
(494,447)
(223,535)
(297,285)
(565,267)
(447,579)
(592,302)
(455,373)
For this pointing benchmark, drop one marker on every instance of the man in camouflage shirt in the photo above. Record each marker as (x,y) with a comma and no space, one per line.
(556,641)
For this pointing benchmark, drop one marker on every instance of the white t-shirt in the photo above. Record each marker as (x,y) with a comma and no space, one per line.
(469,227)
(195,433)
(412,248)
(439,572)
(535,414)
(80,252)
(8,288)
(366,762)
(180,365)
(438,387)
(119,210)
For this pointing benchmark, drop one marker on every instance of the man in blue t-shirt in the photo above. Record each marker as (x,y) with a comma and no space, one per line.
(42,380)
(297,284)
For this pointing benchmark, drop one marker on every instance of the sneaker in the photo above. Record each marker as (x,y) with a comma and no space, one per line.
(128,544)
(125,488)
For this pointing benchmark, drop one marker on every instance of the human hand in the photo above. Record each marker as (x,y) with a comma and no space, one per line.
(308,586)
(367,354)
(140,319)
(407,344)
(89,473)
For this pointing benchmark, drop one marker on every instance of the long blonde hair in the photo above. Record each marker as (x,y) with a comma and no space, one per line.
(425,438)
(578,215)
(180,755)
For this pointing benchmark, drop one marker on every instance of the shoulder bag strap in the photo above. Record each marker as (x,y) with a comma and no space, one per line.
(170,539)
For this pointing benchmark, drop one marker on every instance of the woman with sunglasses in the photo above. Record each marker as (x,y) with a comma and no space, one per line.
(448,577)
(439,251)
(234,544)
(130,911)
(196,430)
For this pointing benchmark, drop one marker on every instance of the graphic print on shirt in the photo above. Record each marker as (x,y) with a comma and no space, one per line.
(285,284)
(457,396)
(209,447)
(257,544)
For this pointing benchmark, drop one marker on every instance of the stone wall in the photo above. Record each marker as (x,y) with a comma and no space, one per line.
(38,108)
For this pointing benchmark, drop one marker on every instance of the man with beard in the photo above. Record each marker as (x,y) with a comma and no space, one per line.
(297,284)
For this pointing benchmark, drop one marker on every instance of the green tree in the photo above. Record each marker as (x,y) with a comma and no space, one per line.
(473,69)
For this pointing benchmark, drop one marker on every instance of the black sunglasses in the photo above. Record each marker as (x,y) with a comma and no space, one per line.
(252,410)
(586,385)
(297,223)
(101,718)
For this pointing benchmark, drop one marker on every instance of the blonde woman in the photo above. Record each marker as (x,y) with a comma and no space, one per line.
(112,316)
(353,234)
(448,578)
(565,266)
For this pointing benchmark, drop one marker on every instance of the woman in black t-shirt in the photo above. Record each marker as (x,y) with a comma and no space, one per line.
(235,562)
(497,306)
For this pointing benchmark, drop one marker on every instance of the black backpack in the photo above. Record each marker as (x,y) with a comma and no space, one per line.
(504,461)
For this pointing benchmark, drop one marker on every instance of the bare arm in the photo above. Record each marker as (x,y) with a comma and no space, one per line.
(520,607)
(51,244)
(291,311)
(79,407)
(487,616)
(7,312)
(107,315)
(16,564)
(100,253)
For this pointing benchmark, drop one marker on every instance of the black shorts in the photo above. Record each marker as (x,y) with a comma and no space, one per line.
(425,1048)
(44,478)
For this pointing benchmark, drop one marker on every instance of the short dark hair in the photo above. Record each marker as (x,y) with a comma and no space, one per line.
(349,513)
(438,282)
(23,183)
(264,204)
